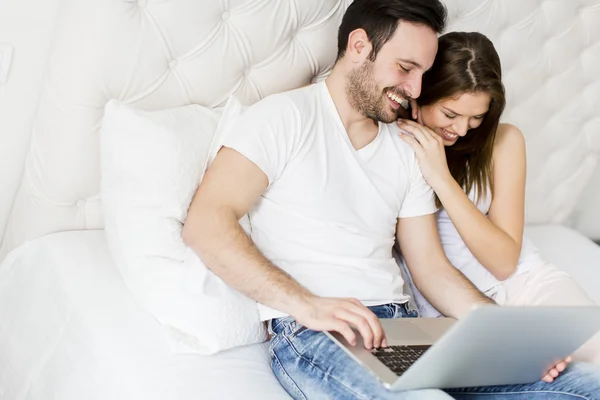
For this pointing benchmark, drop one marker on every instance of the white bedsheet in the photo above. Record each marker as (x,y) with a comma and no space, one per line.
(571,251)
(70,331)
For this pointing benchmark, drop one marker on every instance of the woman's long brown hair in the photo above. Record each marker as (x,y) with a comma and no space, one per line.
(468,62)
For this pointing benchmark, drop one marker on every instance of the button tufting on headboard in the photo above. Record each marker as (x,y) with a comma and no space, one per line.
(158,54)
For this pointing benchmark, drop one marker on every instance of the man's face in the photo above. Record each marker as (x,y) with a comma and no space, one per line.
(376,88)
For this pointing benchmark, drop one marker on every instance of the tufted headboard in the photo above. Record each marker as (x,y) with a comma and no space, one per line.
(159,54)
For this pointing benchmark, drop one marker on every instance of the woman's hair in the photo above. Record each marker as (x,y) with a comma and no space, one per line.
(467,62)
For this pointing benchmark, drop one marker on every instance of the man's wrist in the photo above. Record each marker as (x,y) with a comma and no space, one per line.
(301,303)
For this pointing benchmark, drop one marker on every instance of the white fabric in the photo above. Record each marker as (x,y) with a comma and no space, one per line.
(156,55)
(586,216)
(6,51)
(159,54)
(328,216)
(151,164)
(570,251)
(71,330)
(26,26)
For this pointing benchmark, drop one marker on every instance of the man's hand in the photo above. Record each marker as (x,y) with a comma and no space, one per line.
(556,370)
(335,314)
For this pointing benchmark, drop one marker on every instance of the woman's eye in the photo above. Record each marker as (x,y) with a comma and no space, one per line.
(404,69)
(450,116)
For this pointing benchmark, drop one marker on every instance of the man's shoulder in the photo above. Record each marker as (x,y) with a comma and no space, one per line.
(282,105)
(403,149)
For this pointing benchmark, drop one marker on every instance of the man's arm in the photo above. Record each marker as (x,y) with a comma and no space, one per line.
(230,188)
(445,287)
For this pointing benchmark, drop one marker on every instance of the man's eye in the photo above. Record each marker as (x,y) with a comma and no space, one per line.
(404,69)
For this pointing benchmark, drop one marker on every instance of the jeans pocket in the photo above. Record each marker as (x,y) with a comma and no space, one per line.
(284,327)
(276,328)
(405,310)
(279,325)
(296,329)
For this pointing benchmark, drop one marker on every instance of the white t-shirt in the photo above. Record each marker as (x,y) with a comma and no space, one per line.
(328,216)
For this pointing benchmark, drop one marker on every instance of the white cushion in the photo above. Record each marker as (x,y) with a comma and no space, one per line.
(151,164)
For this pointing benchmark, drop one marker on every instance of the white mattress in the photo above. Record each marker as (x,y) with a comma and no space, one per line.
(69,330)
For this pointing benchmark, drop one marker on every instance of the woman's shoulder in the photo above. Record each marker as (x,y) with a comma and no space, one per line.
(508,138)
(508,132)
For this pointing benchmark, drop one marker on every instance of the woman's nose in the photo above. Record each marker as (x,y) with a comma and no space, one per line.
(461,127)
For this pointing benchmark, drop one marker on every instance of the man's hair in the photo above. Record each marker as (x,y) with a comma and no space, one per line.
(380,18)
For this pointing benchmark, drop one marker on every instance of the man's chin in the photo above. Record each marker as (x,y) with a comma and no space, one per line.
(387,115)
(388,118)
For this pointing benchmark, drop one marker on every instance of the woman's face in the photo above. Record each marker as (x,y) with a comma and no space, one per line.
(452,118)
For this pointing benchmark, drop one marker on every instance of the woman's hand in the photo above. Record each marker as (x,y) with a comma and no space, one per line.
(556,370)
(429,149)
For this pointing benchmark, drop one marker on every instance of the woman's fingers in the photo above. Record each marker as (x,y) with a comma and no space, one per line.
(412,142)
(421,133)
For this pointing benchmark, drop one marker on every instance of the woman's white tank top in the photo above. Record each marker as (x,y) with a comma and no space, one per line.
(461,257)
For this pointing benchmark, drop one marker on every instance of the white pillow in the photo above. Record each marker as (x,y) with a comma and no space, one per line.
(151,164)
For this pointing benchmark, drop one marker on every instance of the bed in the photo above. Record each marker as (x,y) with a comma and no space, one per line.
(70,328)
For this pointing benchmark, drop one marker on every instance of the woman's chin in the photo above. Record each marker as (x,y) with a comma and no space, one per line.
(449,143)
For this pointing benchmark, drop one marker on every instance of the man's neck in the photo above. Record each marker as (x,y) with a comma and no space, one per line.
(360,129)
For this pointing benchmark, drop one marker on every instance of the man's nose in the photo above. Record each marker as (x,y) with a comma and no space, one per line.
(415,86)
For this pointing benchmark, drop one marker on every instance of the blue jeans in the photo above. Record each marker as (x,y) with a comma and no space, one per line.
(310,366)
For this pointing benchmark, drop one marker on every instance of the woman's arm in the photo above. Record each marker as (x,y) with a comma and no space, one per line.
(495,240)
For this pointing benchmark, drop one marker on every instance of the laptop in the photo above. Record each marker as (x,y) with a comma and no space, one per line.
(491,345)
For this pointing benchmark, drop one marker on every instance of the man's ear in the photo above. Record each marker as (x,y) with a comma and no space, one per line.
(359,46)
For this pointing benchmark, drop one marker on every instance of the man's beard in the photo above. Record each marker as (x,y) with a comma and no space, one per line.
(366,97)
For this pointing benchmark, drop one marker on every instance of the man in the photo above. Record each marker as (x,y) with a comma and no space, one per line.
(329,187)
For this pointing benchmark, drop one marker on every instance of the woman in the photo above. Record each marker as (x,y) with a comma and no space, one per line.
(476,167)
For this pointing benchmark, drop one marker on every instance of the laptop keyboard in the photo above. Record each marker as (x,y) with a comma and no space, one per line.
(399,358)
